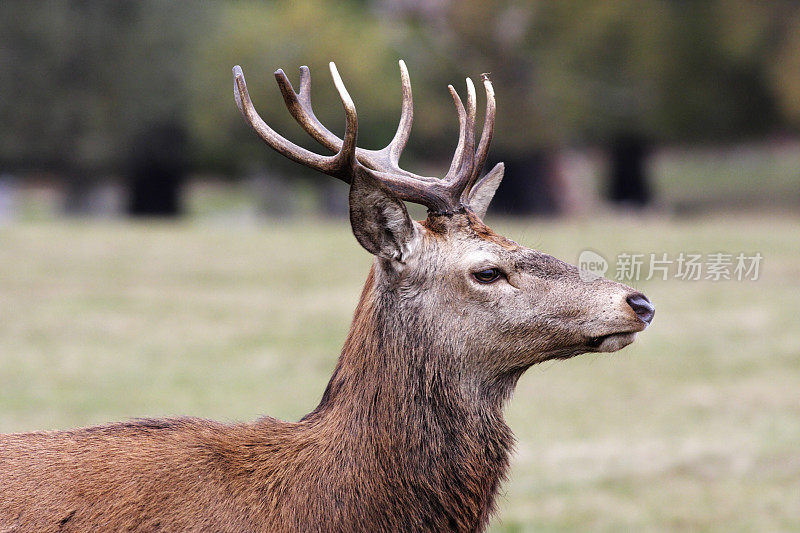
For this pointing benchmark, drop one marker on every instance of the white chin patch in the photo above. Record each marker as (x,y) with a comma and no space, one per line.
(612,343)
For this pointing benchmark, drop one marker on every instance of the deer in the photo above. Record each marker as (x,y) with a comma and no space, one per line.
(409,434)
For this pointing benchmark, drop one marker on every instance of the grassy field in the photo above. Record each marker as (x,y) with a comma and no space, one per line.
(694,427)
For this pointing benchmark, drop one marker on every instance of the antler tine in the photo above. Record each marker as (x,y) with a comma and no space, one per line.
(486,133)
(347,154)
(469,144)
(398,144)
(299,105)
(461,168)
(388,157)
(458,155)
(305,83)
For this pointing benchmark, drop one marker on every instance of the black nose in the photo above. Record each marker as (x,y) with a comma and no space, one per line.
(642,306)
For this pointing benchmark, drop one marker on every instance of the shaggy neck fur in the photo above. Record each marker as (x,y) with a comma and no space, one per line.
(402,416)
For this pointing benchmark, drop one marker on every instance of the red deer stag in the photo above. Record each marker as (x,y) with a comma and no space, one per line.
(409,434)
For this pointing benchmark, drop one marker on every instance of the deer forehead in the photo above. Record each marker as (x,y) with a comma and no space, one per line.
(481,257)
(471,252)
(465,233)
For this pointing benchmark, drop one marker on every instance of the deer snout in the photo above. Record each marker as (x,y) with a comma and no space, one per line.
(643,308)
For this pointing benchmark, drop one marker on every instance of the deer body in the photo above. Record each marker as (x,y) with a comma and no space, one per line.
(409,434)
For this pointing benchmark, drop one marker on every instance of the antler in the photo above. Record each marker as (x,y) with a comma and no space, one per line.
(439,195)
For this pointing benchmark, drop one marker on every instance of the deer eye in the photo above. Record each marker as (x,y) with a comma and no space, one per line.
(488,275)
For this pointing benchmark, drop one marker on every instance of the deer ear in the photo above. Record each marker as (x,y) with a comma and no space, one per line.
(482,192)
(379,220)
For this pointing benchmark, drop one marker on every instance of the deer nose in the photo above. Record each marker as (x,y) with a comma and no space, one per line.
(642,307)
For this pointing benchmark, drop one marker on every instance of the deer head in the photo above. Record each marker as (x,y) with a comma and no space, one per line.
(500,306)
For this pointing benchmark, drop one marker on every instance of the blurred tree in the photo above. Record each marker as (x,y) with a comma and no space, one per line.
(83,78)
(156,169)
(784,66)
(628,183)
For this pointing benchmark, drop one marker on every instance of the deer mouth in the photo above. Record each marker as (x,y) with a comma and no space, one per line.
(611,342)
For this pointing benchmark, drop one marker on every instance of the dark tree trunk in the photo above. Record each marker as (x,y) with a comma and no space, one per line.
(529,186)
(628,174)
(156,171)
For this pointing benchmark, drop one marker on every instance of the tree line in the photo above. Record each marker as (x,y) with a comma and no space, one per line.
(84,83)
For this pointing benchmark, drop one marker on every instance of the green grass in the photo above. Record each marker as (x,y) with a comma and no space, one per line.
(694,427)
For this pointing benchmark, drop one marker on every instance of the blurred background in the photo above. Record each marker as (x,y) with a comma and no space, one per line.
(157,259)
(114,108)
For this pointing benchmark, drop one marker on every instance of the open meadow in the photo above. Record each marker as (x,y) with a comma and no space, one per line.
(696,426)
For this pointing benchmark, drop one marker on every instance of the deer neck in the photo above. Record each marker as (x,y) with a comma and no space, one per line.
(397,397)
